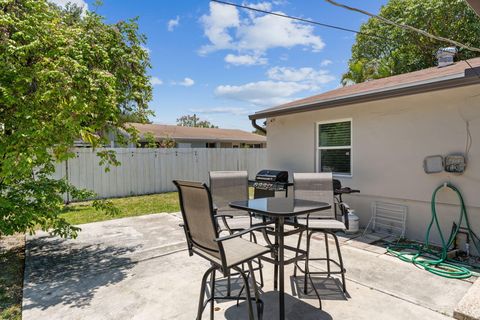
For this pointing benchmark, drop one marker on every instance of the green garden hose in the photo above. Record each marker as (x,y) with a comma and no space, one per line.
(436,261)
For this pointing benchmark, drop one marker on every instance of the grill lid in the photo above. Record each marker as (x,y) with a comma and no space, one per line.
(272,175)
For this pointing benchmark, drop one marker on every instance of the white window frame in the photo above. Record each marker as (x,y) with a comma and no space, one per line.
(318,148)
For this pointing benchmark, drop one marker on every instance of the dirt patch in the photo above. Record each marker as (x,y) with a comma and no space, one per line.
(12,261)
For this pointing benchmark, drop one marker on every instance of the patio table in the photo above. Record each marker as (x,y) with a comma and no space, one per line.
(279,209)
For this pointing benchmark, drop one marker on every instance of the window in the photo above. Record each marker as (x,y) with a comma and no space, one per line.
(334,149)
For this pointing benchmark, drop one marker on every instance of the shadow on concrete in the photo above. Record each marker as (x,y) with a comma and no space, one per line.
(58,272)
(294,309)
(329,288)
(236,287)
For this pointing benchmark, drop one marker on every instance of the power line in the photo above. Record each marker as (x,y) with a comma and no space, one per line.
(331,26)
(405,26)
(399,25)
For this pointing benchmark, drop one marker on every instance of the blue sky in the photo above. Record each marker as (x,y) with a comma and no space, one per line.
(224,63)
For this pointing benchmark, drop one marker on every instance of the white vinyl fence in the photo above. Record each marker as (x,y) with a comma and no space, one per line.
(146,171)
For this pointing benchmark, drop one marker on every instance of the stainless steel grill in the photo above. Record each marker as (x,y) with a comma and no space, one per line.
(267,182)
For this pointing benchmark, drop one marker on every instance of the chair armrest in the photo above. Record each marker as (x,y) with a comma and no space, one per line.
(223,215)
(241,233)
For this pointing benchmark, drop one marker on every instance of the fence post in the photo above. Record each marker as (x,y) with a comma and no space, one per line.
(68,180)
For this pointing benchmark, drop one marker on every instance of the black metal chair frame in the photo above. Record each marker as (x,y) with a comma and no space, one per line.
(310,231)
(306,270)
(196,248)
(227,228)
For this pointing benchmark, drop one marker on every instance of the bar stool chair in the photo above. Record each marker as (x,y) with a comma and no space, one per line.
(224,253)
(228,186)
(318,187)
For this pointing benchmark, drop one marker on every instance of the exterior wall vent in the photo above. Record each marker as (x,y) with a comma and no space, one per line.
(445,56)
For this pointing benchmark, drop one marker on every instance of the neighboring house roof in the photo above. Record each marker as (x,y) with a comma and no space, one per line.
(475,4)
(431,79)
(162,131)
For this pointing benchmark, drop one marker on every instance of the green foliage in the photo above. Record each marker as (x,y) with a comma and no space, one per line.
(194,121)
(168,142)
(150,141)
(137,118)
(64,75)
(392,50)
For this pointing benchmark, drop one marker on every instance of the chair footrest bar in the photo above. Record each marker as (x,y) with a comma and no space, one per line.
(323,272)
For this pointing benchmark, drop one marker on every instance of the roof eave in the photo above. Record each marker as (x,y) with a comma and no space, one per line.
(371,96)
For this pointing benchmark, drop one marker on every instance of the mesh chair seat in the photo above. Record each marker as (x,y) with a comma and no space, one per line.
(238,250)
(328,224)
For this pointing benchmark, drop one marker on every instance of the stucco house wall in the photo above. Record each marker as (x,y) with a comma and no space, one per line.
(390,139)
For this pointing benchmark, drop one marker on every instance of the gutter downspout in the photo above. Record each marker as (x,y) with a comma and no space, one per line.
(256,126)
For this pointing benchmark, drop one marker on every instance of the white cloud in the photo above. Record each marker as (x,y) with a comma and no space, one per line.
(326,62)
(186,82)
(216,26)
(268,31)
(283,85)
(155,81)
(255,34)
(246,60)
(222,110)
(63,3)
(265,6)
(261,92)
(304,75)
(173,23)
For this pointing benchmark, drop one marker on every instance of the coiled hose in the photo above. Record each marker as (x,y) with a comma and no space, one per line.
(436,261)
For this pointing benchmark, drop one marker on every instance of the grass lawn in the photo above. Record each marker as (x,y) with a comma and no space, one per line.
(83,212)
(12,248)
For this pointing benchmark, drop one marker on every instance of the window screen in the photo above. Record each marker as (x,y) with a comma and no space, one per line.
(334,147)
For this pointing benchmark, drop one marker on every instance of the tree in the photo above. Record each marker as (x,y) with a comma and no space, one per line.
(388,50)
(63,75)
(167,142)
(136,117)
(194,121)
(149,141)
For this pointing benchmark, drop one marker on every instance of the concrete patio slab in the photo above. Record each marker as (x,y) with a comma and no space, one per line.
(138,268)
(469,307)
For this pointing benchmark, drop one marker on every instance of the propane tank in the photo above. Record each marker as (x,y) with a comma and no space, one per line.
(353,222)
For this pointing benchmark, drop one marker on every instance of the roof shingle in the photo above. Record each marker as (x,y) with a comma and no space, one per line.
(204,134)
(410,79)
